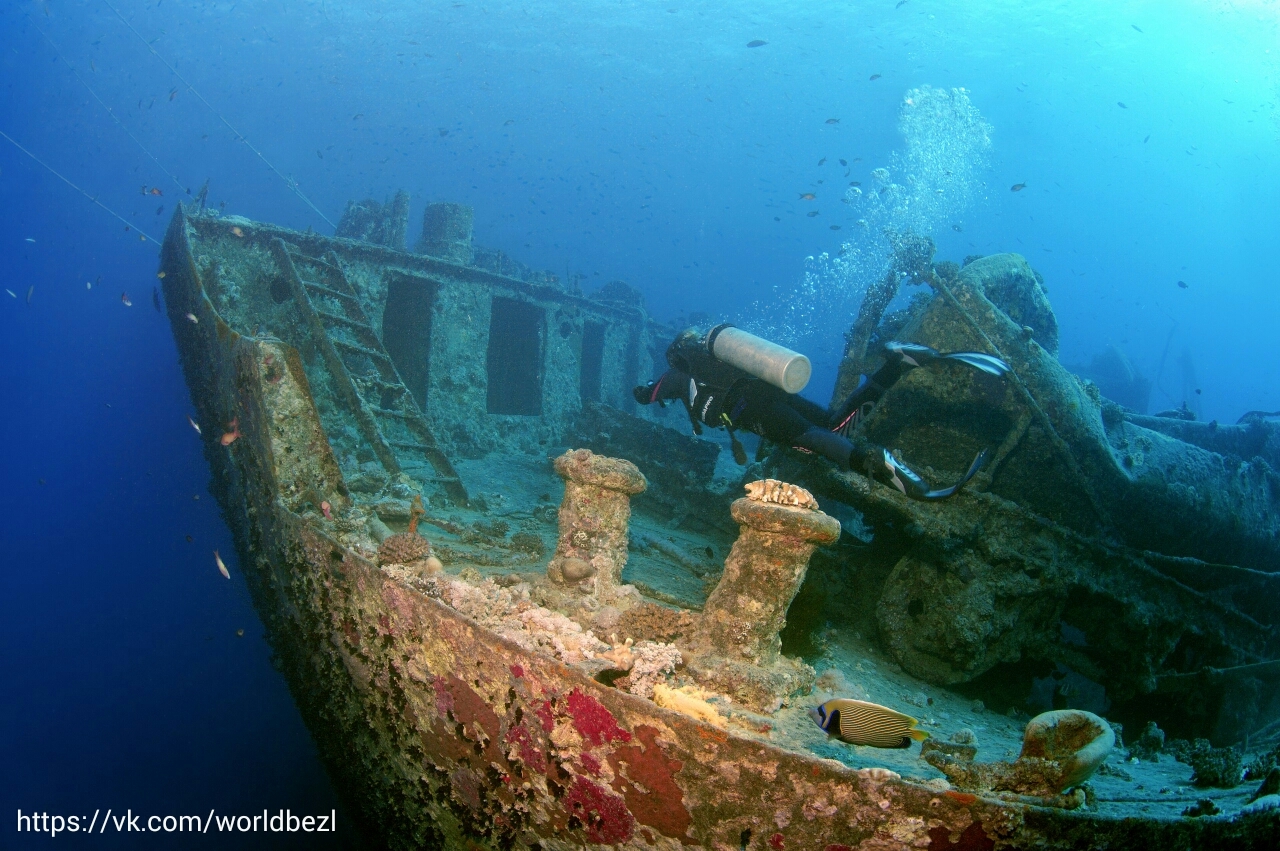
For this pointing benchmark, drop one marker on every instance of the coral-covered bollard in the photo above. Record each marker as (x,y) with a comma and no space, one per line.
(765,568)
(736,648)
(593,519)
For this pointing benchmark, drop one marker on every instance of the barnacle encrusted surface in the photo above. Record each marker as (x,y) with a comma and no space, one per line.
(780,493)
(403,548)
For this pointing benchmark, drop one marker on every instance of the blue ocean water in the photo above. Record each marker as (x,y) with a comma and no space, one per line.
(641,141)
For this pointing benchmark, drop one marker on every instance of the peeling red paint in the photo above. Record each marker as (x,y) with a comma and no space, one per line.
(591,764)
(349,630)
(444,700)
(974,838)
(527,751)
(466,787)
(649,785)
(595,723)
(467,707)
(603,816)
(517,671)
(546,716)
(776,842)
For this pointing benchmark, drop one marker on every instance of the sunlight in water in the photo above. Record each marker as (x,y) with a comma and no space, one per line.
(928,184)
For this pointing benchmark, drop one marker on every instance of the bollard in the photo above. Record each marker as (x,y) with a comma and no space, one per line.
(593,520)
(736,647)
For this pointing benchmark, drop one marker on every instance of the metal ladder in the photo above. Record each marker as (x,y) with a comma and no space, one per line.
(363,373)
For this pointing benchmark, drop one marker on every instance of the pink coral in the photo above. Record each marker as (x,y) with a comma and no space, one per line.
(605,817)
(596,724)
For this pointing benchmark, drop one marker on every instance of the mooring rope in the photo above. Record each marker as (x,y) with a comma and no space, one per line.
(292,184)
(109,110)
(93,198)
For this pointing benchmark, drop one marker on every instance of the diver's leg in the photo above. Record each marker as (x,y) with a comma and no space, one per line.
(901,358)
(810,410)
(867,393)
(768,413)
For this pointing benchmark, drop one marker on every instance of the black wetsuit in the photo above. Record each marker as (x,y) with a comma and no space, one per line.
(785,418)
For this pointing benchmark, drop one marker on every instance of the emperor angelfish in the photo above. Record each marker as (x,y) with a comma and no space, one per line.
(859,722)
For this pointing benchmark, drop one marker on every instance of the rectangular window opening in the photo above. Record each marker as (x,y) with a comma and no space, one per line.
(406,331)
(514,359)
(592,365)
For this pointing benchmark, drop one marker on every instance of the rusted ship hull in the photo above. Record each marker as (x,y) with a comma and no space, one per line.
(441,734)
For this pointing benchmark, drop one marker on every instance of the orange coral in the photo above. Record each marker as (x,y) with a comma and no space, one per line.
(415,511)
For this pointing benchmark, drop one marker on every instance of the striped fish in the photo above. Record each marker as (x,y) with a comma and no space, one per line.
(861,723)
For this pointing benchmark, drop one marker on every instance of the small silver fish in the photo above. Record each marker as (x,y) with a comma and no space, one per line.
(222,568)
(860,722)
(11,293)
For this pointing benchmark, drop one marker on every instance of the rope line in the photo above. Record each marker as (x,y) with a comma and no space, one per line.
(109,110)
(94,199)
(292,184)
(1055,439)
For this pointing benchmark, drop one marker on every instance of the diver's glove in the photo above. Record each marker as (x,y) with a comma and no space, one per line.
(915,354)
(643,393)
(893,472)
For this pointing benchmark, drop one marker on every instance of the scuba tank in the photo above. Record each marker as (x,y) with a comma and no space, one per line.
(777,365)
(726,355)
(723,359)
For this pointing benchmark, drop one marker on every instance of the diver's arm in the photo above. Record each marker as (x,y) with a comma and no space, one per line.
(672,384)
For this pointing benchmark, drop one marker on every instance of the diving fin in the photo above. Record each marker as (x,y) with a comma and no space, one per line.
(894,472)
(916,354)
(989,364)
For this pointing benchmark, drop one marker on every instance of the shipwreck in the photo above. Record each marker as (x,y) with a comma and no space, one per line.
(515,611)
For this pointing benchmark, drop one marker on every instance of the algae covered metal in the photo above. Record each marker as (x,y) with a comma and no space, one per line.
(615,664)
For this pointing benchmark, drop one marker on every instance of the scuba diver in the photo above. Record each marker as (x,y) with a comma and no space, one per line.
(731,379)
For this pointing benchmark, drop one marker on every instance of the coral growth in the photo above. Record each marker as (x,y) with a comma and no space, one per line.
(1078,741)
(603,816)
(529,543)
(688,700)
(651,662)
(1059,749)
(1149,744)
(780,493)
(1202,807)
(510,613)
(736,648)
(956,750)
(1220,767)
(1264,765)
(593,721)
(406,547)
(656,623)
